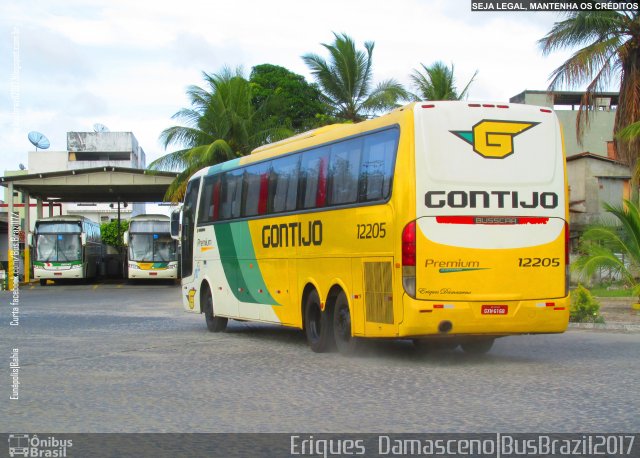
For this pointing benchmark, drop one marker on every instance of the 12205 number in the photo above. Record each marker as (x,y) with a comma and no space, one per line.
(539,262)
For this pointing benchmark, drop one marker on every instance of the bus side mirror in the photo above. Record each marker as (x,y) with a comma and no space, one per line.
(83,238)
(175,224)
(125,238)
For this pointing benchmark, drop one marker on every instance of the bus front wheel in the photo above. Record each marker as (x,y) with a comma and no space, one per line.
(345,342)
(214,323)
(317,324)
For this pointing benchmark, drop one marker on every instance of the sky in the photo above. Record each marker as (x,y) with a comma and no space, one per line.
(67,65)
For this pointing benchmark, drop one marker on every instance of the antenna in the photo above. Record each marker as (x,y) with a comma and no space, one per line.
(38,140)
(97,127)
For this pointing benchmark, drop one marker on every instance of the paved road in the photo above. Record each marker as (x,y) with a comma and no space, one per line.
(117,358)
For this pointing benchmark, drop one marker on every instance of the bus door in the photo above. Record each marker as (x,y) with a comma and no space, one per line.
(188,228)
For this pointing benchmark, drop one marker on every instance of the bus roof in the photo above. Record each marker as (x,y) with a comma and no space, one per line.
(63,218)
(150,217)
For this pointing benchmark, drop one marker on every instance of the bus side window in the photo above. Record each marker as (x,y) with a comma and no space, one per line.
(254,199)
(231,194)
(344,168)
(313,178)
(376,169)
(283,190)
(208,201)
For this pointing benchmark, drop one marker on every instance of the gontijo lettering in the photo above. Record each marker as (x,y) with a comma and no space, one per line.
(292,234)
(490,199)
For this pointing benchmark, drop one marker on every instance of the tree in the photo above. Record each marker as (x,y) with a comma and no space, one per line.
(221,124)
(290,99)
(616,249)
(438,82)
(346,81)
(611,48)
(111,235)
(631,132)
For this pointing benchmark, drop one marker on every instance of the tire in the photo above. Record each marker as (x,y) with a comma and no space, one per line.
(422,346)
(318,324)
(479,346)
(214,323)
(342,330)
(43,282)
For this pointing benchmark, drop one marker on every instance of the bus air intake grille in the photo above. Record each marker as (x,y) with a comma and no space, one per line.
(378,295)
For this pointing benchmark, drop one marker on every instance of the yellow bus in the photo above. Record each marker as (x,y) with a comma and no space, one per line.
(441,222)
(151,252)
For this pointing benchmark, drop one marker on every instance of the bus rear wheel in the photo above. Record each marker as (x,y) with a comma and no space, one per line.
(345,341)
(214,323)
(43,282)
(317,324)
(478,346)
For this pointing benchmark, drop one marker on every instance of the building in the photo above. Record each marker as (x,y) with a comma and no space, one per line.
(85,150)
(89,150)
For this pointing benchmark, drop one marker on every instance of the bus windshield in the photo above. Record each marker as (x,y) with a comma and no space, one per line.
(152,248)
(58,247)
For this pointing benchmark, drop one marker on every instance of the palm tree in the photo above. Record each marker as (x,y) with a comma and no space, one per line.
(631,132)
(611,41)
(221,124)
(438,82)
(601,247)
(346,80)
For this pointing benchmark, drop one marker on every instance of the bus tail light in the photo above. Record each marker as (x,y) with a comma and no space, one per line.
(409,259)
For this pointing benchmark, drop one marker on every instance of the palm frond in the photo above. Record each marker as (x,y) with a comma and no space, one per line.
(631,132)
(614,248)
(437,82)
(345,79)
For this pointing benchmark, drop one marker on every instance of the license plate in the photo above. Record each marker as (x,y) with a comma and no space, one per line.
(495,309)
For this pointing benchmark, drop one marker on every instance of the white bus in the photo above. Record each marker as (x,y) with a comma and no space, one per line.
(66,247)
(151,252)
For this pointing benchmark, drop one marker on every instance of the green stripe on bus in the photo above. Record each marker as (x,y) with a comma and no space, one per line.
(56,263)
(223,167)
(249,267)
(236,254)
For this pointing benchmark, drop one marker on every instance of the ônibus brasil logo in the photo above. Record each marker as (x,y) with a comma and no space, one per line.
(493,139)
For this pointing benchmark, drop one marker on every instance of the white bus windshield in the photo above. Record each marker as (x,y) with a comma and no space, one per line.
(152,248)
(58,247)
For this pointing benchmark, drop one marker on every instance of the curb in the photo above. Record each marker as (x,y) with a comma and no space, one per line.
(626,327)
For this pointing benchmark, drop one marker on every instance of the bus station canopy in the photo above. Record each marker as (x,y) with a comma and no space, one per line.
(98,184)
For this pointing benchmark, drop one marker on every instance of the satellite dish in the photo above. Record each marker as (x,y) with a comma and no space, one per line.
(21,166)
(38,140)
(97,127)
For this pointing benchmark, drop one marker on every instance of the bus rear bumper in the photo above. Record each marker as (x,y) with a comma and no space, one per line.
(432,318)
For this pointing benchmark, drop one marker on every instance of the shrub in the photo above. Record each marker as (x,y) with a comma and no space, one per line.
(109,232)
(584,307)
